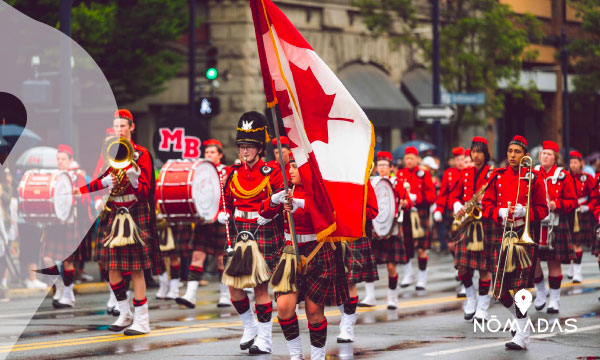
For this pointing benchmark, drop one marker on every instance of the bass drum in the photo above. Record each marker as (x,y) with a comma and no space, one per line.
(383,224)
(46,196)
(189,191)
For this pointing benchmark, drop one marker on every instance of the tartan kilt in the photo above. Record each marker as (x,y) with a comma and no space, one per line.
(586,234)
(564,250)
(424,242)
(389,250)
(84,250)
(182,234)
(269,239)
(476,260)
(325,280)
(60,242)
(361,261)
(448,219)
(209,238)
(136,256)
(522,277)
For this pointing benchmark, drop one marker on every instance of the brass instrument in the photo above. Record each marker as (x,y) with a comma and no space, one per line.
(512,246)
(472,211)
(118,153)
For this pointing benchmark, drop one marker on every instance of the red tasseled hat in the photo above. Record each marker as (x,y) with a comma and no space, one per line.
(521,141)
(479,139)
(284,141)
(123,114)
(66,149)
(385,155)
(411,150)
(468,152)
(458,151)
(575,154)
(212,142)
(550,145)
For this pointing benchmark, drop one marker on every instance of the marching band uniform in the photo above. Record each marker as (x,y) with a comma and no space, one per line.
(470,181)
(502,189)
(443,207)
(584,184)
(245,190)
(422,194)
(560,188)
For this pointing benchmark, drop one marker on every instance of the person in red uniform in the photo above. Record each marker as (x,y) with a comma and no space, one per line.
(470,181)
(562,202)
(595,209)
(500,204)
(323,284)
(247,186)
(285,150)
(584,184)
(208,239)
(135,203)
(422,195)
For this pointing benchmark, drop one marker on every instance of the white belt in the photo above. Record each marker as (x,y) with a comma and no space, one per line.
(302,238)
(581,200)
(124,198)
(248,215)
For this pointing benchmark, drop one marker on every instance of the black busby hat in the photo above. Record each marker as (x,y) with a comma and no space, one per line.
(252,128)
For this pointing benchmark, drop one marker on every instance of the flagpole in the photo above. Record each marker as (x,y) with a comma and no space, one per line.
(285,185)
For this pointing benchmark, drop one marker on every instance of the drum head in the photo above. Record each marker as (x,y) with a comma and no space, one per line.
(63,196)
(206,191)
(386,202)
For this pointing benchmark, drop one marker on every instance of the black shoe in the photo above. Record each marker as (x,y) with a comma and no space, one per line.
(420,288)
(541,307)
(130,332)
(404,286)
(513,333)
(469,317)
(576,282)
(247,345)
(254,350)
(219,305)
(364,305)
(392,307)
(552,311)
(343,341)
(461,295)
(58,305)
(116,312)
(189,305)
(109,310)
(116,328)
(513,346)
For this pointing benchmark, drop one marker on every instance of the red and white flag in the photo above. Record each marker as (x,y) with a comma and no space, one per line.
(330,136)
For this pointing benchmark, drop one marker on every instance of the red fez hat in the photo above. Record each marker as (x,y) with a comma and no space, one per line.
(479,139)
(66,149)
(284,141)
(575,154)
(550,145)
(385,155)
(123,114)
(458,151)
(468,152)
(411,150)
(521,141)
(212,142)
(110,131)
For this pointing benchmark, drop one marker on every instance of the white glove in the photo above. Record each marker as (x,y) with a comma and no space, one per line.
(437,216)
(107,181)
(584,208)
(278,198)
(296,204)
(503,213)
(413,197)
(262,221)
(223,217)
(457,207)
(432,208)
(519,211)
(133,176)
(99,204)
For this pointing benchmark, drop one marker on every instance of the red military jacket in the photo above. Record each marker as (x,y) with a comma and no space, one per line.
(420,185)
(503,189)
(247,188)
(561,189)
(584,184)
(470,181)
(449,180)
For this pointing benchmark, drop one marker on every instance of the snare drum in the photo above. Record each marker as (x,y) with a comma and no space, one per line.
(189,191)
(383,224)
(46,196)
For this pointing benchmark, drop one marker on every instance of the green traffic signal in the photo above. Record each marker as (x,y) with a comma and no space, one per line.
(211,73)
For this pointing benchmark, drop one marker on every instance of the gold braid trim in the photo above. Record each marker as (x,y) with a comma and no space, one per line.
(253,130)
(237,189)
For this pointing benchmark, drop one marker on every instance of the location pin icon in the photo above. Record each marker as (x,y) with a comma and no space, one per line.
(523,300)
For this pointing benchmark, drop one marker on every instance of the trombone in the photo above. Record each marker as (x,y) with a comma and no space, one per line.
(512,245)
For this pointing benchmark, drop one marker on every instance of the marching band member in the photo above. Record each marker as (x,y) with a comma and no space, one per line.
(247,186)
(285,150)
(133,206)
(208,239)
(584,184)
(422,195)
(323,282)
(556,246)
(500,204)
(472,251)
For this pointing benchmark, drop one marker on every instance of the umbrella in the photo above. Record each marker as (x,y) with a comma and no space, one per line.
(592,157)
(419,144)
(41,157)
(12,133)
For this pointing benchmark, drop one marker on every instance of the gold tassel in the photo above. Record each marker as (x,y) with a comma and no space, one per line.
(281,281)
(124,231)
(241,278)
(417,229)
(475,232)
(522,257)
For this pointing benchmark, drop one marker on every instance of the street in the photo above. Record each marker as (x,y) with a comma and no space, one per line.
(428,325)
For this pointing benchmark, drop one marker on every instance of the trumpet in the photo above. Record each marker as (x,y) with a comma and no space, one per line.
(513,246)
(118,153)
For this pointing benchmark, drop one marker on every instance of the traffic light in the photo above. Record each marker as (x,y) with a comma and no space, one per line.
(211,72)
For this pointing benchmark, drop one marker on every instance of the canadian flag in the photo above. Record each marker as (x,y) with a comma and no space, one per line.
(330,136)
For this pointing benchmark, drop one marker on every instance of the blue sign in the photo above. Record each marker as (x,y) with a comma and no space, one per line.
(463,98)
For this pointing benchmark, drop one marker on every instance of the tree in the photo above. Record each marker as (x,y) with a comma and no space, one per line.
(128,39)
(482,42)
(586,50)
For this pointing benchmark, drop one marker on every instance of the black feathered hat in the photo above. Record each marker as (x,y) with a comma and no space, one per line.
(252,129)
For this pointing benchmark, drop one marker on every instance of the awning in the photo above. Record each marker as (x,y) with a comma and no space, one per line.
(378,96)
(417,85)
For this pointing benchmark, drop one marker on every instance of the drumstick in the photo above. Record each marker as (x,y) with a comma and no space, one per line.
(229,249)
